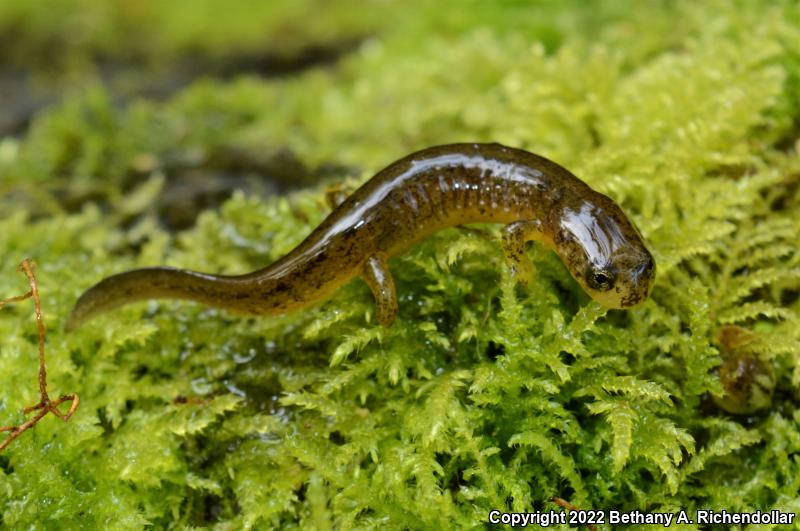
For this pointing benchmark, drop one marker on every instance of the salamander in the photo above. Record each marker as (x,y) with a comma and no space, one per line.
(437,187)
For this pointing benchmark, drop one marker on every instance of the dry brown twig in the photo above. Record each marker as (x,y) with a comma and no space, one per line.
(45,405)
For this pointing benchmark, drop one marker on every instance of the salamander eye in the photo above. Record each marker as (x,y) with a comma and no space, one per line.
(600,279)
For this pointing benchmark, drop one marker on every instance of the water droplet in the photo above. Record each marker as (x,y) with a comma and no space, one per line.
(241,358)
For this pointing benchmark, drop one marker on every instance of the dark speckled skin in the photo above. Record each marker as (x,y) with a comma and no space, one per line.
(419,194)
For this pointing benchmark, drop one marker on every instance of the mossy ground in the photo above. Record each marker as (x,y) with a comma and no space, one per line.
(482,395)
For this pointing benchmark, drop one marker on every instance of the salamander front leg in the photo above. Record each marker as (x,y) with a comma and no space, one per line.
(379,279)
(515,236)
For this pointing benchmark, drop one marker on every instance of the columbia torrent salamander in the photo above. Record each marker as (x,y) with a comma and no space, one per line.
(438,187)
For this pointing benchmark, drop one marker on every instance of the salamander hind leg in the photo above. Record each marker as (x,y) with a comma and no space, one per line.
(515,236)
(379,279)
(335,194)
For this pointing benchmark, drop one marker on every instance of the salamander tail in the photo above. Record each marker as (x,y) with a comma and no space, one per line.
(143,284)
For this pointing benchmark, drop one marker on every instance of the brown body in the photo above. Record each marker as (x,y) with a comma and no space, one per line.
(419,194)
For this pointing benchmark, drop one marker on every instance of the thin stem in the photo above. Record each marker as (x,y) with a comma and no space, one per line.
(45,405)
(570,507)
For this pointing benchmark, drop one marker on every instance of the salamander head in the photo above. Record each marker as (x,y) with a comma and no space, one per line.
(605,253)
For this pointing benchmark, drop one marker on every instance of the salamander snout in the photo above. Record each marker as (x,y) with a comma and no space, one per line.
(605,253)
(624,282)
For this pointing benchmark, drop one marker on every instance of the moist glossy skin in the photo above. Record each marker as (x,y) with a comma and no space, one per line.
(438,187)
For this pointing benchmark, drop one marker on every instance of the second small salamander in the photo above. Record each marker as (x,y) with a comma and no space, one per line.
(419,194)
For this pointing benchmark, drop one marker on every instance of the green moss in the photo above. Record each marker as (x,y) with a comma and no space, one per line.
(483,394)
